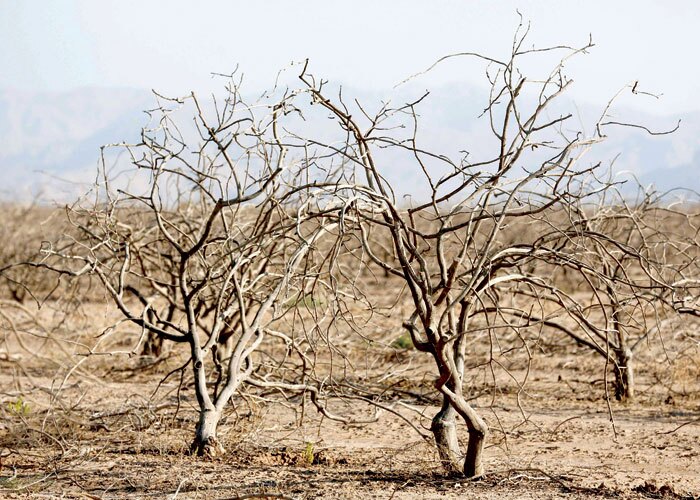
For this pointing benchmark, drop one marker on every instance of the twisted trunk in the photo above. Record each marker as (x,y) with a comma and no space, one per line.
(450,384)
(478,430)
(444,428)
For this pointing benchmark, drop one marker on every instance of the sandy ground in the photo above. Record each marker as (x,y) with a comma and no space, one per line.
(107,437)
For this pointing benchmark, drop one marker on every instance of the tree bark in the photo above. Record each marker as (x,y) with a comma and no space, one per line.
(624,375)
(473,464)
(450,384)
(205,443)
(478,430)
(444,428)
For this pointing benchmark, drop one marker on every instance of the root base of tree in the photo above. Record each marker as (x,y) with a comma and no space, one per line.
(209,448)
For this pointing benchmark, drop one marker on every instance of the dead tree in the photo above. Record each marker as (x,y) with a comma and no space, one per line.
(645,253)
(483,251)
(210,235)
(203,238)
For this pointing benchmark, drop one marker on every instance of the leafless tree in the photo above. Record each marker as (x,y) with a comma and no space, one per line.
(484,251)
(645,252)
(205,238)
(217,231)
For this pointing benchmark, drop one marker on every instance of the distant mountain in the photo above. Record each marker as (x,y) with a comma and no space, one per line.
(685,176)
(49,142)
(666,161)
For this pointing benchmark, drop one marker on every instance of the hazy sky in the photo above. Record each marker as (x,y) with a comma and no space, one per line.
(174,45)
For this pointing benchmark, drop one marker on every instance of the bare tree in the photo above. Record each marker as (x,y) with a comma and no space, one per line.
(204,239)
(484,252)
(645,253)
(214,234)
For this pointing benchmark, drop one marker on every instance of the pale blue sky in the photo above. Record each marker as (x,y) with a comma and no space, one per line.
(174,45)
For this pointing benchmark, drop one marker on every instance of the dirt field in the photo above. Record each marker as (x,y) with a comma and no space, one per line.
(77,426)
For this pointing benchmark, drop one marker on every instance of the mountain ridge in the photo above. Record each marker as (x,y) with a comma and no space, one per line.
(45,136)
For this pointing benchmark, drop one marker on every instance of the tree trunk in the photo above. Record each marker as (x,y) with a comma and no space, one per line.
(478,430)
(624,375)
(205,443)
(153,346)
(444,428)
(624,371)
(473,465)
(450,384)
